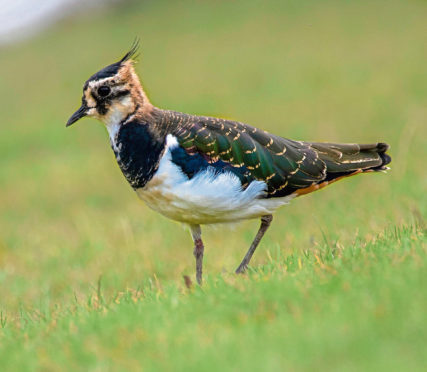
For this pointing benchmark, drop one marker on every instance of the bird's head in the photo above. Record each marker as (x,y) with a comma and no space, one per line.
(113,92)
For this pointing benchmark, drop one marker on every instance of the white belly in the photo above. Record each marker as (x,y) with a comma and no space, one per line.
(207,198)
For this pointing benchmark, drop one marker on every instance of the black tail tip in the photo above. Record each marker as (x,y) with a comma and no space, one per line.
(386,158)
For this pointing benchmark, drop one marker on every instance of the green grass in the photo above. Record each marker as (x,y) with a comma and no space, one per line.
(90,279)
(356,308)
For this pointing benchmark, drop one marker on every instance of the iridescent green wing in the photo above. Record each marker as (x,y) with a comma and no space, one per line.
(283,164)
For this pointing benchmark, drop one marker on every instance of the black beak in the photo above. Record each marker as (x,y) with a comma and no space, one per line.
(80,113)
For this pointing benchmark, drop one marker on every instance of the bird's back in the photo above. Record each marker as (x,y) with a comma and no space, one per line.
(286,166)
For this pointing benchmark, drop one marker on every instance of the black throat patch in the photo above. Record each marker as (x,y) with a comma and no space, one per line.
(139,153)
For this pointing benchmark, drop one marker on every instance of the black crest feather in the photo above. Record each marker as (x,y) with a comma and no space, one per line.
(112,69)
(133,52)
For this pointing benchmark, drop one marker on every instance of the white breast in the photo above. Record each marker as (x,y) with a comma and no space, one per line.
(207,198)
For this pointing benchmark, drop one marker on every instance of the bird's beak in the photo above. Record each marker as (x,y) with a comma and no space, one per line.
(80,113)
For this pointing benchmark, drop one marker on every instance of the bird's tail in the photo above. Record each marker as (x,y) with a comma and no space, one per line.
(347,159)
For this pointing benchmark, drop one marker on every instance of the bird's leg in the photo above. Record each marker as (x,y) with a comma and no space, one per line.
(196,234)
(265,223)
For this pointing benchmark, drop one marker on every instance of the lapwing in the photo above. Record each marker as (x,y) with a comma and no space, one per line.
(202,170)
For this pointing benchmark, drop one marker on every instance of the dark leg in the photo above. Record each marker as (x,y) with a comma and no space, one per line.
(265,223)
(198,251)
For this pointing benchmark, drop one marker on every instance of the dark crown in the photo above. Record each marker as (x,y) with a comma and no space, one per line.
(113,69)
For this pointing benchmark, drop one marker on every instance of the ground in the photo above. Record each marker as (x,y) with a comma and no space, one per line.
(91,279)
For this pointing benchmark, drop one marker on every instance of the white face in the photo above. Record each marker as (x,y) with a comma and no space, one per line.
(108,100)
(110,95)
(109,109)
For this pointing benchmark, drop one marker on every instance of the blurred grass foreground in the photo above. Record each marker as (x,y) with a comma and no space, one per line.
(91,279)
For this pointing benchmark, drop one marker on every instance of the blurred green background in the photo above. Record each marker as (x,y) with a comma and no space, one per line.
(336,71)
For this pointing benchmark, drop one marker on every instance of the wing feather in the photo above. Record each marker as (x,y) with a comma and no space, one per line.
(283,164)
(286,166)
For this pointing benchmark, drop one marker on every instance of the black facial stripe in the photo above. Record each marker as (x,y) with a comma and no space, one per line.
(101,108)
(120,93)
(117,94)
(102,102)
(94,96)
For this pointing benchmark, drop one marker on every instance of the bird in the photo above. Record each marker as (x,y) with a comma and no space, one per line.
(201,170)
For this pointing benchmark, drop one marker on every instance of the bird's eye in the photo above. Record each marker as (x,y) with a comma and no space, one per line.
(104,91)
